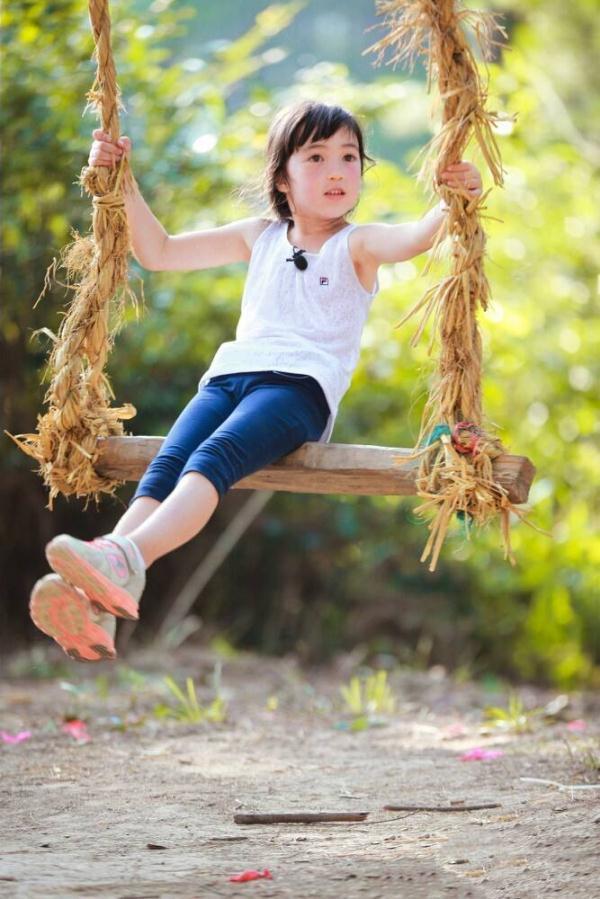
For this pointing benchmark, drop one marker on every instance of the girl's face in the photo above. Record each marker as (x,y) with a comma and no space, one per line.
(324,178)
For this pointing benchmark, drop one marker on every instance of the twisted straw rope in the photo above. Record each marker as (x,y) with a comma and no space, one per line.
(448,480)
(79,394)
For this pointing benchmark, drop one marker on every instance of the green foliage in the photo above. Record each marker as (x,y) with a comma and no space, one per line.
(322,573)
(102,684)
(222,646)
(515,717)
(543,346)
(34,664)
(132,680)
(187,708)
(369,696)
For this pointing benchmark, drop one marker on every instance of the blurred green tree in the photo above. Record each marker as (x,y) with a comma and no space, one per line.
(320,573)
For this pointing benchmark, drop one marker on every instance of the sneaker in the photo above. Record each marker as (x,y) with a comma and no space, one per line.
(65,614)
(106,569)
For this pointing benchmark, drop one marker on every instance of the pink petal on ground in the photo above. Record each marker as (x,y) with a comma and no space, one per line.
(77,729)
(15,738)
(478,754)
(250,875)
(577,726)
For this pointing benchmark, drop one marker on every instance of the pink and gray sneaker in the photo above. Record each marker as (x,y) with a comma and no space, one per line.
(64,613)
(107,569)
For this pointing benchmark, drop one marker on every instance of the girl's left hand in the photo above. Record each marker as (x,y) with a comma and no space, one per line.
(463,175)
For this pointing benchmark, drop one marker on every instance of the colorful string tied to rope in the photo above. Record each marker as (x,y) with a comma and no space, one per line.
(436,434)
(465,437)
(465,440)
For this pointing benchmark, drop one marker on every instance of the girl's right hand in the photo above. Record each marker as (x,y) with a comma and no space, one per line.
(105,151)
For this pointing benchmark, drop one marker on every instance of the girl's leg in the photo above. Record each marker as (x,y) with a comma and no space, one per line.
(110,569)
(205,412)
(138,512)
(270,421)
(180,517)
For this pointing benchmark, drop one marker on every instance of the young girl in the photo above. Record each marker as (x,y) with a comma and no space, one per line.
(312,276)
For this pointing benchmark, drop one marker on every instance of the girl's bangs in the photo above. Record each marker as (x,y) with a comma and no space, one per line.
(320,124)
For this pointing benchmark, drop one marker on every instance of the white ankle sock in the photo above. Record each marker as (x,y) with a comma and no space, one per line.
(138,555)
(106,621)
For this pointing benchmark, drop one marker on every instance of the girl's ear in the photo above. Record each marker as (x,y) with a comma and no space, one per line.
(281,183)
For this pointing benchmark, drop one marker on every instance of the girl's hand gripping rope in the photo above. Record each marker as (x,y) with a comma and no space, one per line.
(464,176)
(106,152)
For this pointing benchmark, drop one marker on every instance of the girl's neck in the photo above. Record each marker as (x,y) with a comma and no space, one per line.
(310,236)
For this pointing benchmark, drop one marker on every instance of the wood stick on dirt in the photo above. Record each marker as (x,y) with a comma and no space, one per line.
(299,817)
(457,807)
(554,783)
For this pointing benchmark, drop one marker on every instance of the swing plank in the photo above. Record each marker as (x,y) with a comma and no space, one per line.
(317,468)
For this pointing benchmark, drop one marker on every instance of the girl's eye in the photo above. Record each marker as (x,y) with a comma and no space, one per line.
(350,157)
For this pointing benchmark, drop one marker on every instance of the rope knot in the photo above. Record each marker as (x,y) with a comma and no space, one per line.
(110,200)
(465,437)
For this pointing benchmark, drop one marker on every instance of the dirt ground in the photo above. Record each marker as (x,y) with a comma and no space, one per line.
(79,817)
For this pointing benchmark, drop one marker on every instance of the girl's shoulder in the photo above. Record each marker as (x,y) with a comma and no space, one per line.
(253,227)
(359,237)
(364,265)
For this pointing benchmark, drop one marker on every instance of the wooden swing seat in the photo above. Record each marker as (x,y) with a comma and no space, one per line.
(318,468)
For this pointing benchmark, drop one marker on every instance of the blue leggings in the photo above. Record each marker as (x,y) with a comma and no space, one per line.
(235,425)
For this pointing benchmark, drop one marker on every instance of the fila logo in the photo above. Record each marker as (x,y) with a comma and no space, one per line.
(324,282)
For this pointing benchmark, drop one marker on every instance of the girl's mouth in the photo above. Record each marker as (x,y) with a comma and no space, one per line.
(335,193)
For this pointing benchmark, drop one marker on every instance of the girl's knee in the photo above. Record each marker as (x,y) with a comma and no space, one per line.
(208,483)
(161,476)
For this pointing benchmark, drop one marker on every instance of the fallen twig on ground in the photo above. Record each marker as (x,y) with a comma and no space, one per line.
(555,783)
(299,817)
(456,807)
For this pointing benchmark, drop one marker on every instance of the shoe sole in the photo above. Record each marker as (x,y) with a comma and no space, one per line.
(59,611)
(96,586)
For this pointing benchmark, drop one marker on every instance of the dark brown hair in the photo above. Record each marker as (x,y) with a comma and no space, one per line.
(291,129)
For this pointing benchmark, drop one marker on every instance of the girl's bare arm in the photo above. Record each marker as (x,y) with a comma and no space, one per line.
(212,247)
(379,243)
(153,247)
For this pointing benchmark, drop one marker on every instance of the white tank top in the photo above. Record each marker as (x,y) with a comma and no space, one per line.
(303,322)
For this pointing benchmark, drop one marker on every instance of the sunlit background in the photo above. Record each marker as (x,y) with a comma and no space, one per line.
(200,85)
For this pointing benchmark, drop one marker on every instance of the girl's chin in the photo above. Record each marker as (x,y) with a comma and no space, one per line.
(330,212)
(338,205)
